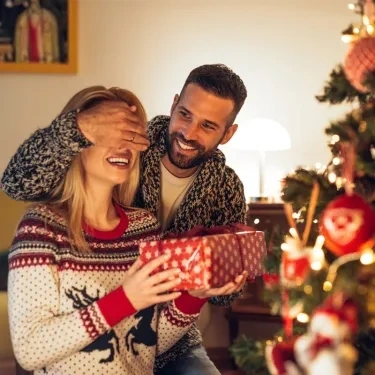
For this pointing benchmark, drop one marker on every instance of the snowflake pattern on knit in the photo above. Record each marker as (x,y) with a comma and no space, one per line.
(64,305)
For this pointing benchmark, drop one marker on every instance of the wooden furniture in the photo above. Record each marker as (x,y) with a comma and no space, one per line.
(264,217)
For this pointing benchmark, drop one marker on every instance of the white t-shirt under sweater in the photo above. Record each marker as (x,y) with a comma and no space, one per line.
(69,314)
(173,191)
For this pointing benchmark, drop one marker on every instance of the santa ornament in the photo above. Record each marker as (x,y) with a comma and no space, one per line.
(327,346)
(347,223)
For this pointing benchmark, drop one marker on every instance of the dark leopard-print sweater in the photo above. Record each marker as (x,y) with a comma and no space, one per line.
(216,197)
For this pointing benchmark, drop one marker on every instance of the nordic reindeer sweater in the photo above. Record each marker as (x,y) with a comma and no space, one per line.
(216,197)
(68,311)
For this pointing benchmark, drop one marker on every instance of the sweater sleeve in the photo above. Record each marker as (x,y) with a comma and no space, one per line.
(176,318)
(42,160)
(41,334)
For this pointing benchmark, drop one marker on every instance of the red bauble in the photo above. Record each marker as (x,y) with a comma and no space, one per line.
(295,267)
(359,61)
(347,224)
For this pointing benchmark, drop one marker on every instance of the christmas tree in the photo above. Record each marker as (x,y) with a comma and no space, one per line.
(320,276)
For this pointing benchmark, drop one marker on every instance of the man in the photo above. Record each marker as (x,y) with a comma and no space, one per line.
(184,179)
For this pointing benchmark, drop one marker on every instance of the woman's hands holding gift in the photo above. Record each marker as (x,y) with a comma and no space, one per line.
(145,288)
(229,288)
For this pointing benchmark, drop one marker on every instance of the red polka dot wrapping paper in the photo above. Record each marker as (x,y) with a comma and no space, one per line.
(211,260)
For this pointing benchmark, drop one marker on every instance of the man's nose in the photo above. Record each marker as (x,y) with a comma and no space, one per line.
(190,131)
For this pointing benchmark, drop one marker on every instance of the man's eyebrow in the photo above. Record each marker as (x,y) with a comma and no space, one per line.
(213,123)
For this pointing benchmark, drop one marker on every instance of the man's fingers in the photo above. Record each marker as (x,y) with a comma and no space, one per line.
(135,137)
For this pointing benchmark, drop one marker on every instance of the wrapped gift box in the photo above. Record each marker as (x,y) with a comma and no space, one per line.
(213,259)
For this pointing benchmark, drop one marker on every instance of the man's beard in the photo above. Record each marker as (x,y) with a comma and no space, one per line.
(182,161)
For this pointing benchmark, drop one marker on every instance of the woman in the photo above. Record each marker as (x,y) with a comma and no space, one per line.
(79,301)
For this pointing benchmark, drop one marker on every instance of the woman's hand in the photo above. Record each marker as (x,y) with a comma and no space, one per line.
(144,290)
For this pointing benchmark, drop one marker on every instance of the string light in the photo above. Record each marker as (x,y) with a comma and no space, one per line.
(351,6)
(332,177)
(335,138)
(327,286)
(336,161)
(318,165)
(284,246)
(307,289)
(256,221)
(303,318)
(367,257)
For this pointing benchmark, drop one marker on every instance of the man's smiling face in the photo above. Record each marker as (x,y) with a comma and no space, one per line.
(200,122)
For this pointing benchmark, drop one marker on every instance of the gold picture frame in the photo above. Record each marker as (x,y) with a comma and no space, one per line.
(66,60)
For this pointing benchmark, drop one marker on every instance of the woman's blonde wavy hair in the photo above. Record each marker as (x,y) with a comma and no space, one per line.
(68,198)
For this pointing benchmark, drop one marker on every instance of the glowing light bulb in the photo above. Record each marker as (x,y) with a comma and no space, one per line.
(256,221)
(351,6)
(335,138)
(284,246)
(332,177)
(316,265)
(303,318)
(336,161)
(327,286)
(367,257)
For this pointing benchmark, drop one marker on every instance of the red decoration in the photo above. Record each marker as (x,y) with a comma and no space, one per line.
(360,60)
(280,357)
(211,260)
(347,224)
(326,345)
(271,280)
(295,266)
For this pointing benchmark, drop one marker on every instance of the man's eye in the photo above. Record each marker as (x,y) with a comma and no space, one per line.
(183,114)
(207,126)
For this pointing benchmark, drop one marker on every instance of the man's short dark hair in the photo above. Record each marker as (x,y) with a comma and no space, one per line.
(221,81)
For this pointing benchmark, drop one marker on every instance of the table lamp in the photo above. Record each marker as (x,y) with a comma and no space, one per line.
(261,135)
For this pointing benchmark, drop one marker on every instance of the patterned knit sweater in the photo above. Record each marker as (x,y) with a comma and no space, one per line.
(68,311)
(216,196)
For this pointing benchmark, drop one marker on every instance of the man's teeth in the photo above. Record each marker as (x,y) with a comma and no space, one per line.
(184,146)
(120,161)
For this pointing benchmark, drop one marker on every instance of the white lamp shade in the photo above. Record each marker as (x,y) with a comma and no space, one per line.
(260,134)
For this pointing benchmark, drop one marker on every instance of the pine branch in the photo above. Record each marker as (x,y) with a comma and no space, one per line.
(338,89)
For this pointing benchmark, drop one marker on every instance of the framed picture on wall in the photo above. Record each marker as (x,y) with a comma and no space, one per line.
(38,36)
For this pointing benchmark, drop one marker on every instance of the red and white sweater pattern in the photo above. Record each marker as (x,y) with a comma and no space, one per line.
(68,312)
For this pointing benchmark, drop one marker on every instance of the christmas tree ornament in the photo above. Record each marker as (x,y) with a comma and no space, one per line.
(360,62)
(327,346)
(347,223)
(360,58)
(271,280)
